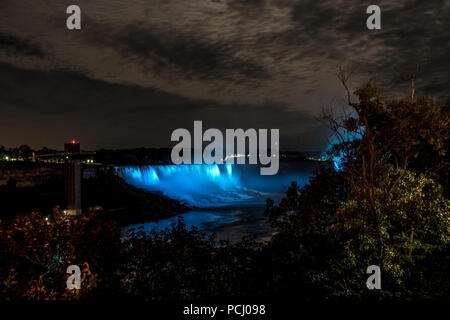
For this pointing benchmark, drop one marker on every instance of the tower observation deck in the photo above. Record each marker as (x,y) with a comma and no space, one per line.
(72,156)
(72,178)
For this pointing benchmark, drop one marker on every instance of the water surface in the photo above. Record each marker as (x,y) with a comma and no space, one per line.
(226,199)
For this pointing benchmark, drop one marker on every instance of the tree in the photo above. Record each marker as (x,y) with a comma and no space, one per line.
(24,152)
(37,249)
(413,225)
(373,131)
(384,206)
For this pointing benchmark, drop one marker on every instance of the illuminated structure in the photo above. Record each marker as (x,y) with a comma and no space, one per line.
(72,178)
(72,157)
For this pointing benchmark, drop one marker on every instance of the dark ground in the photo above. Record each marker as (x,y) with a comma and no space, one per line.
(120,201)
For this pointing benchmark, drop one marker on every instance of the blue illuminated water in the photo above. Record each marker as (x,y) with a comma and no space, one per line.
(197,185)
(226,199)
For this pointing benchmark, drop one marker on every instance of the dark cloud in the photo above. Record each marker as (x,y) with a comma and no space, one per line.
(13,45)
(139,69)
(58,106)
(167,49)
(412,31)
(247,6)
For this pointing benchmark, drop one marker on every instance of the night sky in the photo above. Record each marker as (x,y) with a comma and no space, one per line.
(138,69)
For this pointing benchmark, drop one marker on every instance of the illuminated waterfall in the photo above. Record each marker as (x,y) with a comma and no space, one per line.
(214,185)
(199,185)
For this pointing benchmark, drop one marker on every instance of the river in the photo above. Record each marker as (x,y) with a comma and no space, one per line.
(227,199)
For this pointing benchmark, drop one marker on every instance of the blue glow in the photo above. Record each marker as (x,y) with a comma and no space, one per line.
(338,160)
(229,169)
(216,184)
(213,171)
(199,185)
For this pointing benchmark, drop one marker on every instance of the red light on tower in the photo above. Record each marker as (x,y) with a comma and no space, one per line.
(73,146)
